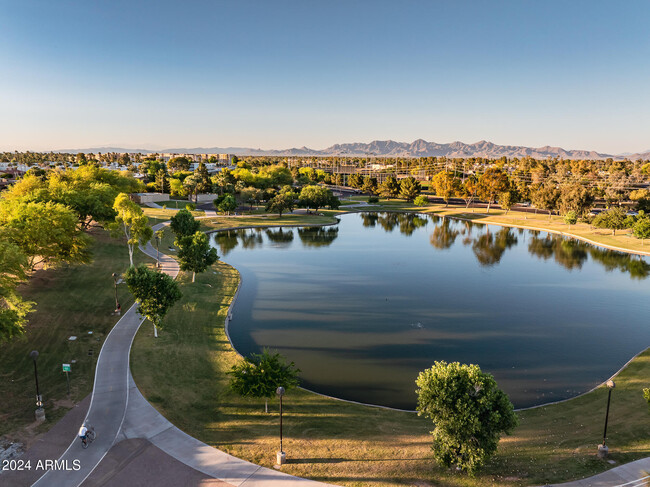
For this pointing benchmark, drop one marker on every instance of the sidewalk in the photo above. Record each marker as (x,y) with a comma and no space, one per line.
(633,474)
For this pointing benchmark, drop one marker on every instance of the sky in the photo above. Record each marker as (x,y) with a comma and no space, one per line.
(279,74)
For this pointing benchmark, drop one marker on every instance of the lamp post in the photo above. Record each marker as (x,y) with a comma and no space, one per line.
(281,456)
(118,308)
(603,450)
(40,412)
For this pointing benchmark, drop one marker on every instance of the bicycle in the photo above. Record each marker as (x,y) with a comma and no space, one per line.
(88,438)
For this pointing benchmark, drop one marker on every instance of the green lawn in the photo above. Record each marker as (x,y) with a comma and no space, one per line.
(71,301)
(183,373)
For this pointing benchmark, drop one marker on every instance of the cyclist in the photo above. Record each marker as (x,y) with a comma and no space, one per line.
(82,434)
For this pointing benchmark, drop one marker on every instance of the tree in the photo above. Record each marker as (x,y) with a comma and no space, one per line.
(181,163)
(162,181)
(203,182)
(570,218)
(445,185)
(45,232)
(389,188)
(195,253)
(575,197)
(507,199)
(176,187)
(261,374)
(13,310)
(183,224)
(468,410)
(421,200)
(641,228)
(227,204)
(614,219)
(491,184)
(315,197)
(369,185)
(355,180)
(469,190)
(281,202)
(154,291)
(132,222)
(545,198)
(409,188)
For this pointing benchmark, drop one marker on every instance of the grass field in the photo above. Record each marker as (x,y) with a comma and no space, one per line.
(71,301)
(183,374)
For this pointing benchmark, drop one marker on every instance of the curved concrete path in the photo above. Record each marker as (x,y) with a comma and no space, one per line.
(119,412)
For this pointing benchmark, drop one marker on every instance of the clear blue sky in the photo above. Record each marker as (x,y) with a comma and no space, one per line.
(278,74)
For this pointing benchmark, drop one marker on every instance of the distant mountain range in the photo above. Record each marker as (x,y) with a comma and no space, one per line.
(391,148)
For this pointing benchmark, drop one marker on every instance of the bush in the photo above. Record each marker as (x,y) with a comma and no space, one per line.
(190,207)
(373,199)
(152,188)
(468,410)
(164,207)
(421,201)
(646,395)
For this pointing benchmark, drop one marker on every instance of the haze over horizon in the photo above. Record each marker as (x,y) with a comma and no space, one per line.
(292,74)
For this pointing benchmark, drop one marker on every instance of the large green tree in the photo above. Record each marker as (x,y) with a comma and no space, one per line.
(446,185)
(546,197)
(47,233)
(389,187)
(284,201)
(409,188)
(575,197)
(491,184)
(154,291)
(261,374)
(131,222)
(641,228)
(204,183)
(195,253)
(226,204)
(468,410)
(184,224)
(180,163)
(613,219)
(315,197)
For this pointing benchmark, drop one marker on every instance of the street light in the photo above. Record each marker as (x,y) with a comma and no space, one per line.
(281,456)
(118,308)
(603,449)
(40,412)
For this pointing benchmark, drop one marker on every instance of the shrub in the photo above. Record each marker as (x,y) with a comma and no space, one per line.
(373,199)
(190,207)
(421,201)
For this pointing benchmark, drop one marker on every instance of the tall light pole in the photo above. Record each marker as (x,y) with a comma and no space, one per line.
(118,308)
(281,456)
(603,450)
(40,412)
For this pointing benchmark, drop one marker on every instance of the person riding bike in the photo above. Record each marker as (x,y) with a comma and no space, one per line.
(83,434)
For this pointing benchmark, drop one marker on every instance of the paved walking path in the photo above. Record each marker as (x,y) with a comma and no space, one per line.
(633,474)
(135,442)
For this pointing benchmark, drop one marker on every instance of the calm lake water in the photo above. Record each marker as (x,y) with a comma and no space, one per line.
(361,307)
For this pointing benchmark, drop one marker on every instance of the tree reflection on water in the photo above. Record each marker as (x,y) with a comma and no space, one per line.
(488,245)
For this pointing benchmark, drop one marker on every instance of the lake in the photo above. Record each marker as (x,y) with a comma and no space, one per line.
(362,306)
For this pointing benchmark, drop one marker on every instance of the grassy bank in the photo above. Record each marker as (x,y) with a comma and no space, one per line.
(183,374)
(71,301)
